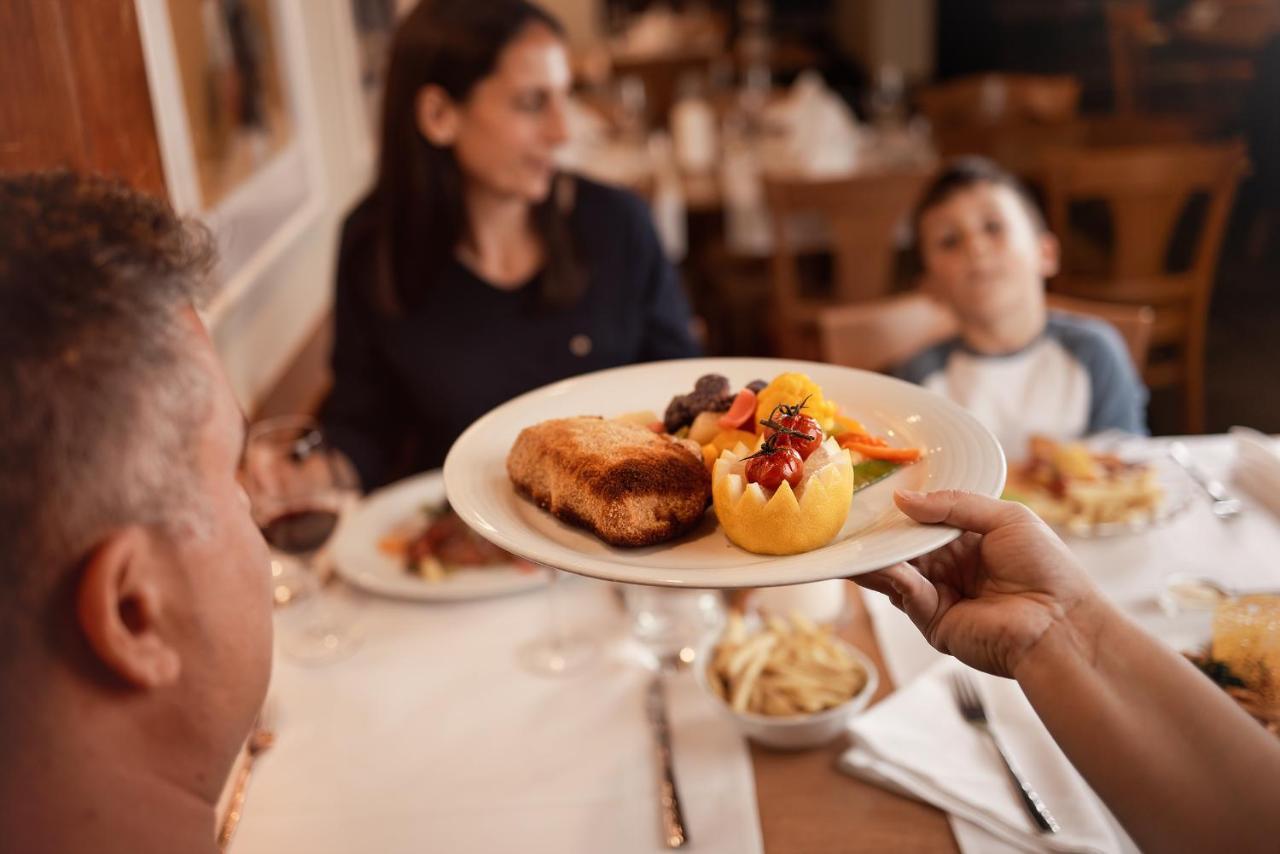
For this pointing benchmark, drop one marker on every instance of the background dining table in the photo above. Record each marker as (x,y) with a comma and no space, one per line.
(359,767)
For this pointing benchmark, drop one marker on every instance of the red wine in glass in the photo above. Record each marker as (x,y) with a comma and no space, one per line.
(300,532)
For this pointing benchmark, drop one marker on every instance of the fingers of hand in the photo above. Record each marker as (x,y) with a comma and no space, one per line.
(910,591)
(960,509)
(879,582)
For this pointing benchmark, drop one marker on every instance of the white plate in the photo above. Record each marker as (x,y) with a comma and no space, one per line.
(357,559)
(1176,487)
(961,454)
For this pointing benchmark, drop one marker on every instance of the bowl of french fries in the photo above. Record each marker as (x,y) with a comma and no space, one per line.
(787,683)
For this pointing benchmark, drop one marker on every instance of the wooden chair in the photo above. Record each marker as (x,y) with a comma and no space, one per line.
(1146,190)
(1133,322)
(1176,64)
(883,333)
(862,214)
(1001,98)
(878,335)
(1021,147)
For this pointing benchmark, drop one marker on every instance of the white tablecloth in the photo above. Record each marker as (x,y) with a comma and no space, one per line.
(433,738)
(1130,569)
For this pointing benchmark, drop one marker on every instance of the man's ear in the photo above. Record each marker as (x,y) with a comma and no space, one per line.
(1050,255)
(437,116)
(119,606)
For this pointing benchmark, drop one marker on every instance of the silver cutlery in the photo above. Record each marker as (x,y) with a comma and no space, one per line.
(674,834)
(972,710)
(1223,505)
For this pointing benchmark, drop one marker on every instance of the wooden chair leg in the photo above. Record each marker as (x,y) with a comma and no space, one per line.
(1193,390)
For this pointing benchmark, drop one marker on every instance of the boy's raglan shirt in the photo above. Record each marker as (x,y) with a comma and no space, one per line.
(1075,379)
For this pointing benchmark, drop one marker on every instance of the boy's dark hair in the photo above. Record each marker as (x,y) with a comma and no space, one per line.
(961,174)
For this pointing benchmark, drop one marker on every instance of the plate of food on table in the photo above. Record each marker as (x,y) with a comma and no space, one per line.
(717,472)
(406,541)
(1088,491)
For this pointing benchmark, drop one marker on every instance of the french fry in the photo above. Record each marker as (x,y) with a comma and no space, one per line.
(789,667)
(742,693)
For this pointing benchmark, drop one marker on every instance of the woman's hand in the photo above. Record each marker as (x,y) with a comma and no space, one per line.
(988,597)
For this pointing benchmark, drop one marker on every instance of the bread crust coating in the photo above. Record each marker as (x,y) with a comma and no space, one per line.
(626,484)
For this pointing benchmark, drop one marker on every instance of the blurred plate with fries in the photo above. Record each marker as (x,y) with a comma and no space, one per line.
(786,683)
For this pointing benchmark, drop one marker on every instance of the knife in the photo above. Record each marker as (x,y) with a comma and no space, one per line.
(673,832)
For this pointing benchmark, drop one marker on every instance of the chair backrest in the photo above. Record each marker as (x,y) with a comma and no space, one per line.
(1133,322)
(1001,98)
(1147,190)
(862,215)
(1023,146)
(880,334)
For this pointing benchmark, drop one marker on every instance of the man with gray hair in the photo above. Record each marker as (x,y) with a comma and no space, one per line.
(135,615)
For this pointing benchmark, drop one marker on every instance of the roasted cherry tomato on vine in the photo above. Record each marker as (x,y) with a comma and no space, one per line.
(806,426)
(798,430)
(770,466)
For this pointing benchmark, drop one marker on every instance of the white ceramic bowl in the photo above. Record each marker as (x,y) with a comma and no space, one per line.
(792,732)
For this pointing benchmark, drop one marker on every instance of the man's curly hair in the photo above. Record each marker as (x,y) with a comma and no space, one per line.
(98,402)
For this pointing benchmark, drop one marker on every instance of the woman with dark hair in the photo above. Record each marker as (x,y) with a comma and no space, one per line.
(475,271)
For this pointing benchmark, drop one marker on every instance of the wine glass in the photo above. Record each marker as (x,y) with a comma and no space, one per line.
(297,485)
(559,651)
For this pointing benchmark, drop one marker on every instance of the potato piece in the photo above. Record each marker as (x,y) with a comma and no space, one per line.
(705,427)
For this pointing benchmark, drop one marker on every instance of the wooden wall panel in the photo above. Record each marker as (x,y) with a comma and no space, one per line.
(75,91)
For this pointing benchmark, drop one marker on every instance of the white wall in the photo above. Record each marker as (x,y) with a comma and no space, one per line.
(258,336)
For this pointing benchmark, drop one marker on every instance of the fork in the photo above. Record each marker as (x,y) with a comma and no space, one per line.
(974,712)
(1223,505)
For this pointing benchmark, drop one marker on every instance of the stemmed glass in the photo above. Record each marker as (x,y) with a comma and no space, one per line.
(298,485)
(559,651)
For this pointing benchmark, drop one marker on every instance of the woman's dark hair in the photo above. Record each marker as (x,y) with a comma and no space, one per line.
(961,174)
(453,44)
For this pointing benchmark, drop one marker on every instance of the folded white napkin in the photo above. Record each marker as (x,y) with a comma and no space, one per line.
(916,742)
(1257,467)
(821,136)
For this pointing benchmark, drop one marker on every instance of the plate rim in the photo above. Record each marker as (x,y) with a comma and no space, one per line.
(779,570)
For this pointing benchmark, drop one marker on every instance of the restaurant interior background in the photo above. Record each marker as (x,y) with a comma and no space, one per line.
(779,145)
(146,89)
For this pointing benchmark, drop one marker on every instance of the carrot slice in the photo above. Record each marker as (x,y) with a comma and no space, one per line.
(862,439)
(877,452)
(657,427)
(740,411)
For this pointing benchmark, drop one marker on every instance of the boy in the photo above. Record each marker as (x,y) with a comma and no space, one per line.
(986,253)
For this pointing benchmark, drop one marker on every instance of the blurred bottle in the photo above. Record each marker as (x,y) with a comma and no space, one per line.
(631,104)
(887,104)
(667,202)
(693,126)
